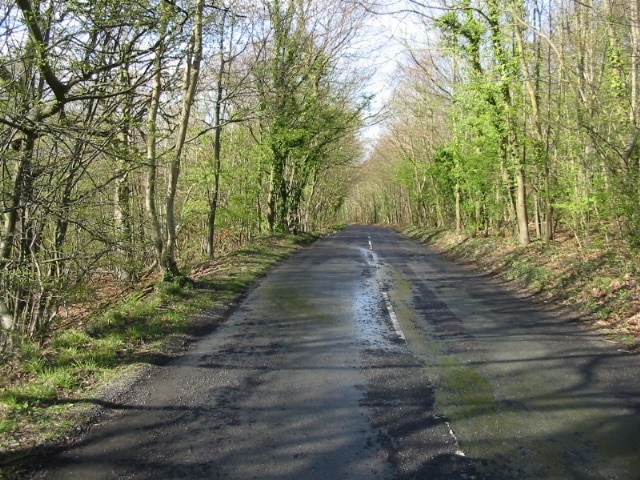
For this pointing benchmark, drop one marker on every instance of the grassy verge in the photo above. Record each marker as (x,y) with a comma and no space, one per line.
(600,282)
(51,390)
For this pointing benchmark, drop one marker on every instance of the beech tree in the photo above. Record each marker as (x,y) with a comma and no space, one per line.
(470,27)
(230,84)
(191,76)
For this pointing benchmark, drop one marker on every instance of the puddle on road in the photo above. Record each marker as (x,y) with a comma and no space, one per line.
(367,302)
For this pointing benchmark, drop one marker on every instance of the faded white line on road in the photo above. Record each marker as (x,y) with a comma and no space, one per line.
(458,450)
(392,315)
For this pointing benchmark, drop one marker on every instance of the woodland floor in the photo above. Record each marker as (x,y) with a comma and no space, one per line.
(600,283)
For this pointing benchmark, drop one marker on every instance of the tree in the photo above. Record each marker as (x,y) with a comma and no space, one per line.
(469,27)
(62,68)
(191,76)
(229,30)
(301,114)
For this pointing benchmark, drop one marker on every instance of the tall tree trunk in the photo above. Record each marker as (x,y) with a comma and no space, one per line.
(217,146)
(521,206)
(635,63)
(122,222)
(20,179)
(271,201)
(458,208)
(169,263)
(125,269)
(7,326)
(151,174)
(507,131)
(541,155)
(215,194)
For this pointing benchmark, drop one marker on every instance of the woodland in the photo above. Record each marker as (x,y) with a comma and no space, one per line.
(141,137)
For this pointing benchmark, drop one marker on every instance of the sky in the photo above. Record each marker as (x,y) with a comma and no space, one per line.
(385,51)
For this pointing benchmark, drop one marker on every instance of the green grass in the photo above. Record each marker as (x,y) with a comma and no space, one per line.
(534,276)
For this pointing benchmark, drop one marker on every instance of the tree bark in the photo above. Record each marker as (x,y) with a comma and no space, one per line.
(169,263)
(217,143)
(521,206)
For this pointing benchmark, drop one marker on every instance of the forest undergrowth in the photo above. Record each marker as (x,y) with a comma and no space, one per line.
(598,284)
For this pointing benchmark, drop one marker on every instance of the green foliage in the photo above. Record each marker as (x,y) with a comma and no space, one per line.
(88,166)
(462,31)
(526,129)
(534,276)
(32,359)
(303,119)
(446,169)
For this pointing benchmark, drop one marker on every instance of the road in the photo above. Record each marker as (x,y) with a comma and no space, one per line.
(368,356)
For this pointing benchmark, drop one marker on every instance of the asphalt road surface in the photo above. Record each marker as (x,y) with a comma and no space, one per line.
(367,356)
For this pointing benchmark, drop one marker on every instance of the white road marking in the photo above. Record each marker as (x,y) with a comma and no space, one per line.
(458,449)
(392,315)
(400,333)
